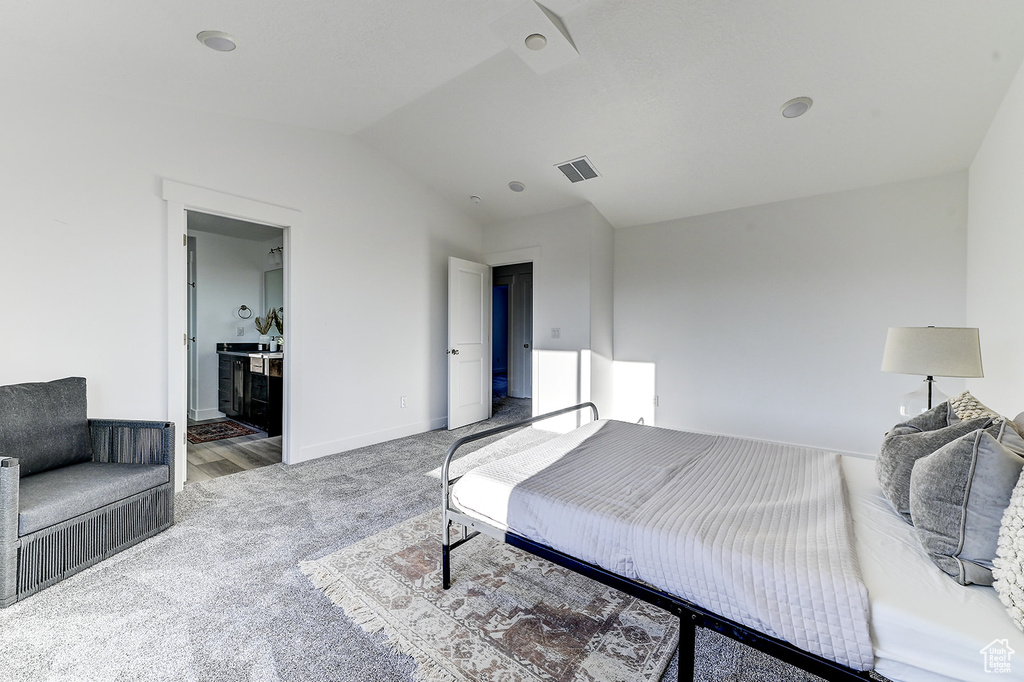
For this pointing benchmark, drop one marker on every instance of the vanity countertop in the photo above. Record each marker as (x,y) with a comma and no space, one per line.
(275,355)
(249,350)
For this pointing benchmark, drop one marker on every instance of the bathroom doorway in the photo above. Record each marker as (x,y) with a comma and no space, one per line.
(180,198)
(235,300)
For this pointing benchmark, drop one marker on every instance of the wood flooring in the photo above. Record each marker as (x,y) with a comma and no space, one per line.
(231,455)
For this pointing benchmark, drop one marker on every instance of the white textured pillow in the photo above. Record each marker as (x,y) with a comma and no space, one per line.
(967,407)
(1008,566)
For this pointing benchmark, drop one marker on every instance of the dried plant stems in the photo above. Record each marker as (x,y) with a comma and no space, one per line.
(263,324)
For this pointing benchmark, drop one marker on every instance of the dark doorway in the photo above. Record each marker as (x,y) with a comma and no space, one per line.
(512,331)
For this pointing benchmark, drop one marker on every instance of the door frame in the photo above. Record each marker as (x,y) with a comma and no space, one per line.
(192,361)
(520,359)
(179,198)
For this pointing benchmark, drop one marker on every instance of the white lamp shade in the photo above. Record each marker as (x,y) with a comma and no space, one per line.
(933,351)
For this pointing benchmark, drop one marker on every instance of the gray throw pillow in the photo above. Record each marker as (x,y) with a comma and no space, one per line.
(44,424)
(939,417)
(957,498)
(906,444)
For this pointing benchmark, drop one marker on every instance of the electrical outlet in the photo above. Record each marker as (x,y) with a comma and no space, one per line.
(655,401)
(239,331)
(405,401)
(556,332)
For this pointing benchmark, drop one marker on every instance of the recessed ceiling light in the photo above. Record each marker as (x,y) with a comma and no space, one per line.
(536,41)
(516,186)
(217,40)
(797,106)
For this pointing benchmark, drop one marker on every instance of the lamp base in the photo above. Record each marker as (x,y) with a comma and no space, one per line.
(922,400)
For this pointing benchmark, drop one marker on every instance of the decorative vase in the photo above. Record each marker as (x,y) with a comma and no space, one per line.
(264,341)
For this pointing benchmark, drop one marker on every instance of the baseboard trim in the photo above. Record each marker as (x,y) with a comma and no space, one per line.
(345,444)
(204,415)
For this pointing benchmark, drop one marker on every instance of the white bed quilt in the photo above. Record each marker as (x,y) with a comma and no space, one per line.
(757,532)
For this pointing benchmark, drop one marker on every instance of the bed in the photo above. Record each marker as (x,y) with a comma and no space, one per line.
(840,588)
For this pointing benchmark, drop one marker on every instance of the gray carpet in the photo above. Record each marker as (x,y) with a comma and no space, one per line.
(219,596)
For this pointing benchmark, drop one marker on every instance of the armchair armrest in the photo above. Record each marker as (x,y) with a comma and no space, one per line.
(132,442)
(10,474)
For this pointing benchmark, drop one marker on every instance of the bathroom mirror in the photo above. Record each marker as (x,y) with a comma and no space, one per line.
(273,289)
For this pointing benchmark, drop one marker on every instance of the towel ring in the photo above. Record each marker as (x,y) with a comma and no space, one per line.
(246,310)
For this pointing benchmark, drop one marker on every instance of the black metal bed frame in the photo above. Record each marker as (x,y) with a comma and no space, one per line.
(691,616)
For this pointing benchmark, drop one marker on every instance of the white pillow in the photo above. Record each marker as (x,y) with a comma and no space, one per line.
(1008,566)
(967,407)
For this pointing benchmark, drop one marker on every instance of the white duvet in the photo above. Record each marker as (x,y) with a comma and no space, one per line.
(756,532)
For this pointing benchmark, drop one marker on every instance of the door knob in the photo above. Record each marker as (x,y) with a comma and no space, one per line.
(454,351)
(526,345)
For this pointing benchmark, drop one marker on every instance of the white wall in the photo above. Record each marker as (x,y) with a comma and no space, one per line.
(571,292)
(995,278)
(769,321)
(87,293)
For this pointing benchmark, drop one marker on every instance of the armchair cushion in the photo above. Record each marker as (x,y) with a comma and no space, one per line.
(62,494)
(44,424)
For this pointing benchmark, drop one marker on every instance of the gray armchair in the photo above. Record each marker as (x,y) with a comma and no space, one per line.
(73,490)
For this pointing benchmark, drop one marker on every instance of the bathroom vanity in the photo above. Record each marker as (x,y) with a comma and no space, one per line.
(250,389)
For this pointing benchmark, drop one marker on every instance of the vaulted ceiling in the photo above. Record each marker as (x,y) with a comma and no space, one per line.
(675,102)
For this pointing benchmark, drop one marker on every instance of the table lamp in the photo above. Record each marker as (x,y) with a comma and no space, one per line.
(931,352)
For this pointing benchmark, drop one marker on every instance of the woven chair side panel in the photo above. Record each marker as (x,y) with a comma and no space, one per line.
(132,442)
(9,481)
(52,554)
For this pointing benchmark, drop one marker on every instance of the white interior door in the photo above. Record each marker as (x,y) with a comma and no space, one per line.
(469,342)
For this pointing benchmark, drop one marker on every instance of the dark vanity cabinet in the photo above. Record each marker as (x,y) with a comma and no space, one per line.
(251,389)
(264,395)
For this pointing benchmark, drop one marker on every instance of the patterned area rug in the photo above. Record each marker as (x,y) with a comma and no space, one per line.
(508,616)
(204,433)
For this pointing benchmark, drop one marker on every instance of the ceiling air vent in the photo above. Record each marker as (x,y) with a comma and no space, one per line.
(578,170)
